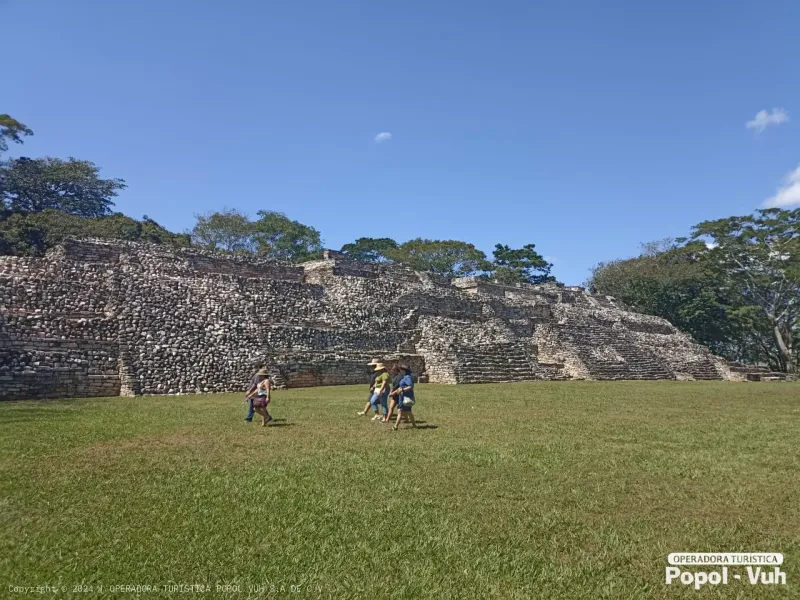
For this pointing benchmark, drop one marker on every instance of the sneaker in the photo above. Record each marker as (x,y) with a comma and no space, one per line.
(248,420)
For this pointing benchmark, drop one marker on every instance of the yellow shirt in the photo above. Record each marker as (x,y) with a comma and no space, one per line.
(382,380)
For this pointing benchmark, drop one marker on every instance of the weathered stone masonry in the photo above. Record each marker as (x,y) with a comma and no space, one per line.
(103,319)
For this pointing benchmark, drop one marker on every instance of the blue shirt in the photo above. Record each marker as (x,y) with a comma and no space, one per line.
(407,382)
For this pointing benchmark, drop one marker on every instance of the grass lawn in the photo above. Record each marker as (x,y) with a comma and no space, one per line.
(541,490)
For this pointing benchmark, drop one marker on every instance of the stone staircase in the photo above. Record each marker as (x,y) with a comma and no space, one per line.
(552,371)
(608,353)
(702,370)
(768,376)
(744,372)
(682,355)
(495,362)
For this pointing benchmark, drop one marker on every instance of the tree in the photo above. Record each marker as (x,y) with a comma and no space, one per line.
(671,281)
(11,129)
(72,186)
(735,285)
(32,234)
(522,265)
(760,258)
(450,258)
(229,230)
(276,236)
(376,250)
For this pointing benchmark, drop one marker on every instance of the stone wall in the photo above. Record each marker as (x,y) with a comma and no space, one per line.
(57,338)
(100,319)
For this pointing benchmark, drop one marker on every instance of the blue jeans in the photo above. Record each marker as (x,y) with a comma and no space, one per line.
(251,412)
(383,400)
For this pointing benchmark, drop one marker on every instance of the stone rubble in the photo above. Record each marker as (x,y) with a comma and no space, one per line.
(98,318)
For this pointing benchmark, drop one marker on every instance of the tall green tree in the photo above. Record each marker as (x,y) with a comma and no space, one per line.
(672,281)
(72,186)
(228,229)
(520,265)
(32,234)
(375,250)
(277,236)
(450,258)
(760,257)
(11,130)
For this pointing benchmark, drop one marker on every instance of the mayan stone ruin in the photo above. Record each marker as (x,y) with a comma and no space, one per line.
(106,319)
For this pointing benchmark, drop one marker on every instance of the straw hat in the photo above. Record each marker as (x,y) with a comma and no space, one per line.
(262,373)
(379,367)
(374,361)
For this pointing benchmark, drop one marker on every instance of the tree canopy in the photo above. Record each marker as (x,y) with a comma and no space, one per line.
(451,258)
(228,229)
(273,235)
(72,186)
(734,285)
(31,234)
(521,265)
(368,249)
(279,237)
(11,130)
(670,281)
(760,257)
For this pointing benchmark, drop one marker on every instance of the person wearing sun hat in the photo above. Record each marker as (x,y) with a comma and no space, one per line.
(372,375)
(251,389)
(380,392)
(260,397)
(406,401)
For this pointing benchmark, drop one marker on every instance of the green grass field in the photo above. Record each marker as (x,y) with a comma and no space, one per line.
(541,490)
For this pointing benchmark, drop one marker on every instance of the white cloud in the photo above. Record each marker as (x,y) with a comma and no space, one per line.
(788,194)
(383,136)
(711,245)
(765,118)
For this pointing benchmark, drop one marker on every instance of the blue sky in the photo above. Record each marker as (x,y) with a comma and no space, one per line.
(583,127)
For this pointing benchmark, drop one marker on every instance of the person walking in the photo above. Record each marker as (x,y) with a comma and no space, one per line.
(380,393)
(261,397)
(394,392)
(372,375)
(248,396)
(407,400)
